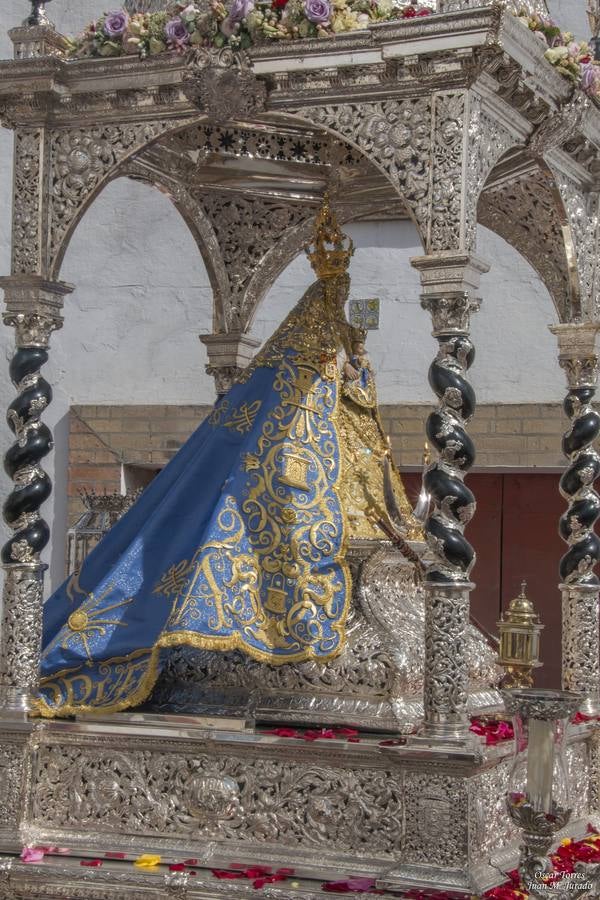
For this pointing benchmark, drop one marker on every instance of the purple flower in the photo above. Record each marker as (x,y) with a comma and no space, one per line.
(590,78)
(176,33)
(240,9)
(317,11)
(115,23)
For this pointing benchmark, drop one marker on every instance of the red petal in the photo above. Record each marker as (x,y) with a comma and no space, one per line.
(93,863)
(177,867)
(282,732)
(226,874)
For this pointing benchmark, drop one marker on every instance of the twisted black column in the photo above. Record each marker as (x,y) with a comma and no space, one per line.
(579,583)
(22,461)
(447,579)
(33,308)
(577,487)
(454,503)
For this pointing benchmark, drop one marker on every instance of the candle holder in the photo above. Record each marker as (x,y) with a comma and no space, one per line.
(519,650)
(38,16)
(538,800)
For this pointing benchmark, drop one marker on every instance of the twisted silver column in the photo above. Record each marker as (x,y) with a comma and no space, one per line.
(33,308)
(447,579)
(578,582)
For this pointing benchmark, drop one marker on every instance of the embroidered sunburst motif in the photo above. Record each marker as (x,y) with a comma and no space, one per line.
(87,622)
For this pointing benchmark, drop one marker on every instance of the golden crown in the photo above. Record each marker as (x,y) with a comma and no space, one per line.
(331,249)
(358,334)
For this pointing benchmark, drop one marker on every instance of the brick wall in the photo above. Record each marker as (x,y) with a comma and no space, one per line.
(102,438)
(526,435)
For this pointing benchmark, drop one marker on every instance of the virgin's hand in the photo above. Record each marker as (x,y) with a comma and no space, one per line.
(351,373)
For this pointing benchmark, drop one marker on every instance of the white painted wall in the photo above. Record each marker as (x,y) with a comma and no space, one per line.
(142,297)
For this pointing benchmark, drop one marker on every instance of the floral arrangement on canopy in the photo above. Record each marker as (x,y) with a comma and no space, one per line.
(181,26)
(573,59)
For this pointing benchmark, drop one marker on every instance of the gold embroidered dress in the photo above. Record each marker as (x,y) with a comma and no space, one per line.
(364,448)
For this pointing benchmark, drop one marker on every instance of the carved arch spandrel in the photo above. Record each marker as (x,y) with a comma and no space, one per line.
(528,213)
(81,162)
(436,151)
(396,137)
(246,229)
(583,217)
(199,226)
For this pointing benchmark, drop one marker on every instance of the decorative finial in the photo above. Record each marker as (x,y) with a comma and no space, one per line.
(331,250)
(38,15)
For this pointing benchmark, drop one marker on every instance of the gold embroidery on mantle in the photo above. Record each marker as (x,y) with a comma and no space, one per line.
(269,547)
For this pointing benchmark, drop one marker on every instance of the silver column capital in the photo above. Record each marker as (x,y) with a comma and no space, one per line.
(577,352)
(228,355)
(33,306)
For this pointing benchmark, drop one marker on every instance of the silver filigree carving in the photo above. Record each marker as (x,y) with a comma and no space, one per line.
(447,172)
(32,329)
(581,372)
(490,822)
(435,804)
(27,201)
(488,141)
(593,771)
(246,229)
(213,799)
(450,314)
(12,756)
(446,682)
(580,641)
(396,136)
(244,142)
(531,705)
(222,84)
(225,377)
(583,217)
(579,585)
(21,633)
(557,129)
(145,792)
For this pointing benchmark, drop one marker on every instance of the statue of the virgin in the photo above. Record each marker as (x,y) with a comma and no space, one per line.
(240,542)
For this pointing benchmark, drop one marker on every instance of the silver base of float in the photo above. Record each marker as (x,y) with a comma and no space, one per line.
(181,787)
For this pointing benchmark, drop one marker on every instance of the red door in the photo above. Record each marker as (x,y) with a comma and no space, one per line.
(515,535)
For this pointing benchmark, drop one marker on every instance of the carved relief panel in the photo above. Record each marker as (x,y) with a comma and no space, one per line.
(186,792)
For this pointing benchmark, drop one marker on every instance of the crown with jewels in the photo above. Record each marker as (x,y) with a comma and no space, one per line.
(331,249)
(358,334)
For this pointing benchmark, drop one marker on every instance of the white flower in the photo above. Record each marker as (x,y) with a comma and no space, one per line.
(556,54)
(385,7)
